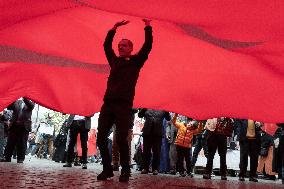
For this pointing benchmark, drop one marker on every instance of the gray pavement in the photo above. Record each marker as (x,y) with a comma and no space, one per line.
(46,174)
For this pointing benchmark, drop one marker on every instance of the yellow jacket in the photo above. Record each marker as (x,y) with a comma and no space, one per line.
(185,133)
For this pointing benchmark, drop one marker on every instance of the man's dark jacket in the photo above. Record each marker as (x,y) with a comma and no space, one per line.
(241,128)
(22,117)
(153,121)
(125,71)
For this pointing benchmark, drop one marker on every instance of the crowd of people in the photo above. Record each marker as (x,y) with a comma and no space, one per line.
(168,143)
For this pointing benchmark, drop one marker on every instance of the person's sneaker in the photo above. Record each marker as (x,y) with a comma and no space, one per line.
(20,161)
(115,168)
(224,177)
(105,175)
(124,176)
(155,172)
(144,171)
(253,179)
(67,165)
(182,174)
(207,176)
(241,178)
(84,166)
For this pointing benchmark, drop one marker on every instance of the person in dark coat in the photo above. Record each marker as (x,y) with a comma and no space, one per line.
(171,136)
(164,166)
(279,152)
(200,143)
(152,133)
(249,139)
(78,124)
(3,127)
(119,96)
(19,130)
(266,156)
(60,144)
(218,140)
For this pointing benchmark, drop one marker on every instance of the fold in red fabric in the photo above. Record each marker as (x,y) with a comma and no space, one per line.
(209,58)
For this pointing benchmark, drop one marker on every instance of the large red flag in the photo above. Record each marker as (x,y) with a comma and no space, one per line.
(209,58)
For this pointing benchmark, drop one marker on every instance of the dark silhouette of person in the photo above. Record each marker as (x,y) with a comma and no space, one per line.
(119,95)
(19,130)
(78,124)
(152,137)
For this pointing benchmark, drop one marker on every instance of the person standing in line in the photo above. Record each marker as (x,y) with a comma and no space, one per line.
(171,136)
(19,130)
(3,125)
(249,140)
(78,124)
(200,143)
(184,143)
(152,133)
(218,140)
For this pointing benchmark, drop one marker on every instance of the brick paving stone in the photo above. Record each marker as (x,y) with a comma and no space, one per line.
(45,174)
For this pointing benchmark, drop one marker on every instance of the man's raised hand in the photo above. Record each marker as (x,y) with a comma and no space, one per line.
(147,21)
(118,24)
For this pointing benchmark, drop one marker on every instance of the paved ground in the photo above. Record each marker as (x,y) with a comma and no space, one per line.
(35,173)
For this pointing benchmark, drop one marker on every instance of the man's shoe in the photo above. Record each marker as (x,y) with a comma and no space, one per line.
(20,161)
(67,165)
(155,172)
(182,174)
(115,168)
(206,176)
(241,178)
(190,174)
(104,175)
(5,160)
(172,172)
(84,166)
(253,179)
(269,177)
(76,163)
(224,177)
(124,177)
(144,171)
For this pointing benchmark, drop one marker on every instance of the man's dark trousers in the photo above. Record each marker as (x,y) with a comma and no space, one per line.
(217,141)
(200,143)
(120,113)
(151,142)
(183,153)
(248,147)
(17,137)
(78,126)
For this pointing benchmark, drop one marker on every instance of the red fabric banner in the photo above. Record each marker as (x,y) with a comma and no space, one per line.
(209,58)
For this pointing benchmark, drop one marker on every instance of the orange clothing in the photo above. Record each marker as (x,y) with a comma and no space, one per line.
(185,133)
(266,162)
